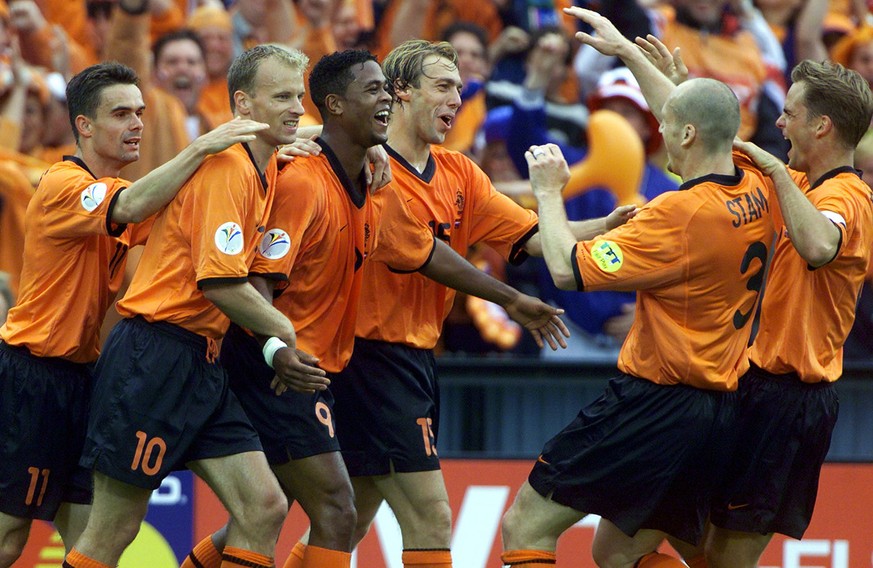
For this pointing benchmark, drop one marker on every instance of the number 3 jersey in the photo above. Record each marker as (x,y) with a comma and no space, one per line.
(74,259)
(698,259)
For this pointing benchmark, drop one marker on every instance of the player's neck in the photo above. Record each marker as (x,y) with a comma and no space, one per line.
(828,159)
(406,142)
(99,166)
(351,156)
(261,152)
(697,166)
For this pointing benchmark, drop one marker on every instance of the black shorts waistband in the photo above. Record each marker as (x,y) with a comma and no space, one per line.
(176,332)
(57,363)
(786,378)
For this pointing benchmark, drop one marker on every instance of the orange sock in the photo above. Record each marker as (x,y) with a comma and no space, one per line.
(204,555)
(76,559)
(528,558)
(658,560)
(295,559)
(698,561)
(317,557)
(427,558)
(233,557)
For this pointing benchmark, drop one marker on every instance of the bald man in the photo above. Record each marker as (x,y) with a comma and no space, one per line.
(646,456)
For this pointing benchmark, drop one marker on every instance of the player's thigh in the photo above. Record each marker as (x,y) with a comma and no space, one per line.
(612,548)
(535,522)
(735,549)
(414,494)
(243,482)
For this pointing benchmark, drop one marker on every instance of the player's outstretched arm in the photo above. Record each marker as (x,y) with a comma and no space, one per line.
(587,229)
(813,235)
(146,196)
(451,269)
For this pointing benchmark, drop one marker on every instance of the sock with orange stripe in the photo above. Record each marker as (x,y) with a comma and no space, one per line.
(295,559)
(317,557)
(658,560)
(204,555)
(427,558)
(76,559)
(528,558)
(233,557)
(698,561)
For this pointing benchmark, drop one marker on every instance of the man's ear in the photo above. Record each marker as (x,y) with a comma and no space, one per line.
(242,102)
(334,104)
(83,126)
(401,92)
(689,134)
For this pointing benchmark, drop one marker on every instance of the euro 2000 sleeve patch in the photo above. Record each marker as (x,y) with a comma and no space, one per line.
(229,238)
(275,244)
(93,195)
(607,255)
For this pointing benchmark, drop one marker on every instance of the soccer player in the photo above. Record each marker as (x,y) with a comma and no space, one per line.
(79,225)
(647,455)
(386,400)
(323,229)
(161,401)
(788,404)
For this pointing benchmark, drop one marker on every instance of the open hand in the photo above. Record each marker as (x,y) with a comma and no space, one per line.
(540,319)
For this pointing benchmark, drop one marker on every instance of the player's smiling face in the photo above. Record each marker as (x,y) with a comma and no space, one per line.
(181,70)
(277,100)
(116,128)
(435,102)
(366,105)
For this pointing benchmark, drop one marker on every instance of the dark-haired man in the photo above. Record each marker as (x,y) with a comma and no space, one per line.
(79,226)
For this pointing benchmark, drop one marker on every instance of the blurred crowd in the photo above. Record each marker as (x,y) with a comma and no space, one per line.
(526,81)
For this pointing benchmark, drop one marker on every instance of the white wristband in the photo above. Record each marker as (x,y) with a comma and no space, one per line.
(270,347)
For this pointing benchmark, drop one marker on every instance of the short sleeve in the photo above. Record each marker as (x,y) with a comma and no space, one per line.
(77,205)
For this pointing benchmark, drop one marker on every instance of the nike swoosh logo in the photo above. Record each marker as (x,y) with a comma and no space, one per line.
(541,460)
(343,228)
(732,507)
(410,199)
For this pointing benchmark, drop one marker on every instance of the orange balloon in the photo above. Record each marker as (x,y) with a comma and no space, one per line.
(616,160)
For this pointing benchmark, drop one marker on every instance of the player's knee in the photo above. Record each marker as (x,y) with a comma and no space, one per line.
(11,546)
(336,514)
(606,556)
(433,520)
(264,510)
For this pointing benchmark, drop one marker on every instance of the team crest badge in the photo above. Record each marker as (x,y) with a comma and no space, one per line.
(92,196)
(607,255)
(229,238)
(275,244)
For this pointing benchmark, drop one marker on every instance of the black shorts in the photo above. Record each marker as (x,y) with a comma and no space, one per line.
(784,429)
(292,425)
(643,456)
(43,416)
(159,404)
(387,409)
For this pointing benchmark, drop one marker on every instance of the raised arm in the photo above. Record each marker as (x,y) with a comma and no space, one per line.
(608,40)
(147,195)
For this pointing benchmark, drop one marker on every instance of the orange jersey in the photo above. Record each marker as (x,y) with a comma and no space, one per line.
(732,59)
(697,258)
(74,259)
(207,234)
(807,313)
(15,194)
(457,201)
(321,229)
